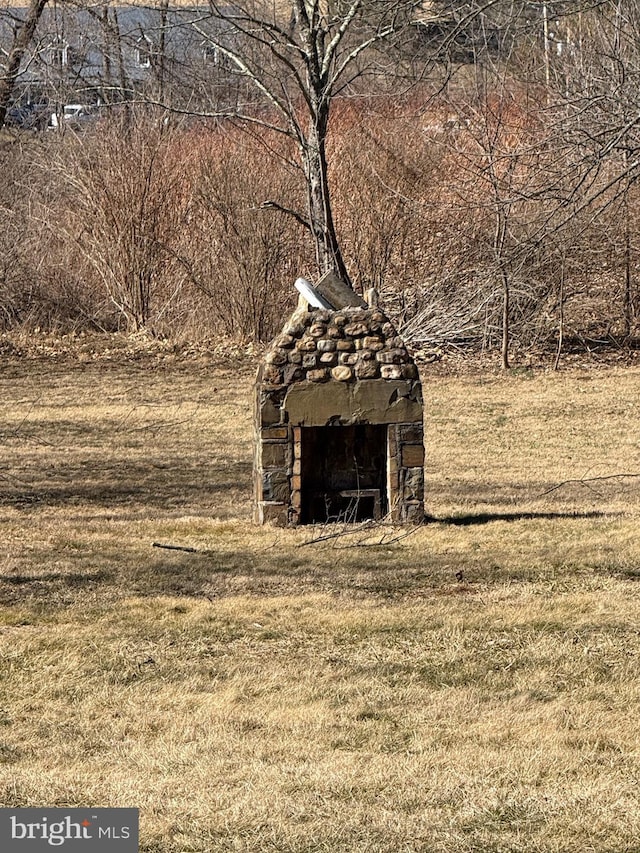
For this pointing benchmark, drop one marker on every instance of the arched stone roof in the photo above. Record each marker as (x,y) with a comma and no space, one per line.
(347,345)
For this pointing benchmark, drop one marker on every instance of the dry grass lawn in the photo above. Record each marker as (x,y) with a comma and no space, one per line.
(270,694)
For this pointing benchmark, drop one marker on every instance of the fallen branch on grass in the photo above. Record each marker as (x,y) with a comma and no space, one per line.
(584,481)
(364,530)
(336,534)
(175,548)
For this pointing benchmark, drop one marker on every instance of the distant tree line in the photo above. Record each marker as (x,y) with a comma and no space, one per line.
(482,163)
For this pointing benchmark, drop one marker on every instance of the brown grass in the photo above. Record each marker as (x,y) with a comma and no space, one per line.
(264,694)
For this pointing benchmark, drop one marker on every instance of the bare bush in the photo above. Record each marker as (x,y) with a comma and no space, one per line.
(247,247)
(127,201)
(15,293)
(199,231)
(40,285)
(381,167)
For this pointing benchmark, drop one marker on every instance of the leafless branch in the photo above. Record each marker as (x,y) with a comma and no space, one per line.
(585,481)
(274,205)
(174,547)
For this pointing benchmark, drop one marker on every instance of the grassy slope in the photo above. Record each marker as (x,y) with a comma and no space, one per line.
(271,694)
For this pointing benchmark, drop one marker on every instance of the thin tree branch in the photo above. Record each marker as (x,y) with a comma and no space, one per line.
(273,205)
(584,481)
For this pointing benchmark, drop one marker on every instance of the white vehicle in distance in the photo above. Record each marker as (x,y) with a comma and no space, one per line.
(75,116)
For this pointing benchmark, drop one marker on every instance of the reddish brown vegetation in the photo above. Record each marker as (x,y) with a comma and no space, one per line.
(456,209)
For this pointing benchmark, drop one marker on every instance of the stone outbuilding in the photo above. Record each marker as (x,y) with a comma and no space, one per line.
(339,422)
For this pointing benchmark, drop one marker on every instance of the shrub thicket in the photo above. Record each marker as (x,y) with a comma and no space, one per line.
(448,206)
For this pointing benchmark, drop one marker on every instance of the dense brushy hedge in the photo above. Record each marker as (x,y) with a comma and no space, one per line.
(443,204)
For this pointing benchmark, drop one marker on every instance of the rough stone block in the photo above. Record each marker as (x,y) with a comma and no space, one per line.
(326,345)
(284,341)
(318,330)
(309,361)
(318,375)
(275,486)
(275,433)
(367,370)
(348,358)
(345,346)
(414,484)
(391,356)
(272,375)
(306,345)
(413,512)
(272,512)
(356,330)
(390,371)
(276,357)
(329,358)
(275,455)
(411,433)
(342,373)
(269,412)
(373,343)
(395,513)
(292,373)
(295,356)
(412,455)
(409,371)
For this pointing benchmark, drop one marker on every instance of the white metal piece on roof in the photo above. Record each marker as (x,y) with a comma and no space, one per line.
(311,294)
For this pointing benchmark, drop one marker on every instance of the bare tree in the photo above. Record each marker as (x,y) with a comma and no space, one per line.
(23,34)
(298,65)
(592,79)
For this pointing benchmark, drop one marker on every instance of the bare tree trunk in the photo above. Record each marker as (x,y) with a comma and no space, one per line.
(506,295)
(162,51)
(621,71)
(498,248)
(328,253)
(628,276)
(297,67)
(21,42)
(563,266)
(106,56)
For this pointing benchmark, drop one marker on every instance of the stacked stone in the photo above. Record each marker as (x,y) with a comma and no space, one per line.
(405,463)
(337,369)
(346,345)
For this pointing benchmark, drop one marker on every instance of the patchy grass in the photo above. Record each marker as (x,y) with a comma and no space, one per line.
(470,687)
